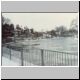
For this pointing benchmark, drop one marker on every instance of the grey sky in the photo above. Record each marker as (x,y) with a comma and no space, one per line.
(41,21)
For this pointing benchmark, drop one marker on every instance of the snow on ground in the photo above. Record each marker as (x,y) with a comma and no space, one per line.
(7,62)
(15,58)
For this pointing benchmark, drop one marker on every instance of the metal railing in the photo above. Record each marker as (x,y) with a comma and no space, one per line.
(31,56)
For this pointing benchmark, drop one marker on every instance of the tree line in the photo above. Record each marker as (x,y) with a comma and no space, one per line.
(8,31)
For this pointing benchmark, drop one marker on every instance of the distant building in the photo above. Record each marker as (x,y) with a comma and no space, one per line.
(46,35)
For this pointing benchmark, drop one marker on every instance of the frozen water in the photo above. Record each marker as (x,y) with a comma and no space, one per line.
(67,44)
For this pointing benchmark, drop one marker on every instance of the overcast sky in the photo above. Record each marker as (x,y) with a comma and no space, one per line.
(41,21)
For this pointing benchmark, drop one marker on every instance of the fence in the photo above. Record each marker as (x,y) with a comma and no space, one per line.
(25,55)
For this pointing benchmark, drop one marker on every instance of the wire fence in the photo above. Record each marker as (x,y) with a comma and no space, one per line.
(31,56)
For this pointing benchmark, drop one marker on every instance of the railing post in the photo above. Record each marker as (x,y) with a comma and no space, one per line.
(1,55)
(22,57)
(42,57)
(2,50)
(10,51)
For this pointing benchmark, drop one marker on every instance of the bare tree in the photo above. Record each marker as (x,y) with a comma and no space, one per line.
(61,30)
